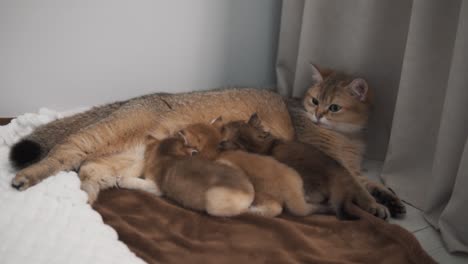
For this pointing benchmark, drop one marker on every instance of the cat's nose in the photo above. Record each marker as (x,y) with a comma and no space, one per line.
(318,116)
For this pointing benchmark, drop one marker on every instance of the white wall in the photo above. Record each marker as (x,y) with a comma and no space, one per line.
(70,53)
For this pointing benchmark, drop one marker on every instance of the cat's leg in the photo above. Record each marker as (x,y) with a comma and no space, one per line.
(366,202)
(94,178)
(265,205)
(139,184)
(109,135)
(384,195)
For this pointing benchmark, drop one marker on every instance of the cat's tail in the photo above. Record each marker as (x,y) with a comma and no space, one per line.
(35,146)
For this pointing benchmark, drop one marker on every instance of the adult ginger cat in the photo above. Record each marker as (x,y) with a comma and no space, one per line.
(332,116)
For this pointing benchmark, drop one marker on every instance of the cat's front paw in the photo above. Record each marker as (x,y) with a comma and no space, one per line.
(377,210)
(387,197)
(369,204)
(382,212)
(23,181)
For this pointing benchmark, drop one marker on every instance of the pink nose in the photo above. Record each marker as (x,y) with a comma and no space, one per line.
(318,115)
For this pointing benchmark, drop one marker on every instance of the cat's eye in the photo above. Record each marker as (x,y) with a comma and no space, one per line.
(334,108)
(315,101)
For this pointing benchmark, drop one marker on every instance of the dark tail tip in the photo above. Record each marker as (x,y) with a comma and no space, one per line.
(25,153)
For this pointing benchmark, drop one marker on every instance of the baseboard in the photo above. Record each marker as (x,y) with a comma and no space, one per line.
(5,120)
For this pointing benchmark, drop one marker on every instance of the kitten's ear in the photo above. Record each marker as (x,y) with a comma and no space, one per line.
(151,139)
(316,74)
(181,134)
(359,89)
(217,122)
(254,120)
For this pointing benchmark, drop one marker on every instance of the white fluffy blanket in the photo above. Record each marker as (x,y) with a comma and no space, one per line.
(51,222)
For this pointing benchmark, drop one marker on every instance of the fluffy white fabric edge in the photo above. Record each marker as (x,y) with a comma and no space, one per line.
(51,222)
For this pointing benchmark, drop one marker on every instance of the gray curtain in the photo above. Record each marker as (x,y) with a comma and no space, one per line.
(415,56)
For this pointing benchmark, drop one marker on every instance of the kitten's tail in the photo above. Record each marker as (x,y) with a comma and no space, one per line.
(37,145)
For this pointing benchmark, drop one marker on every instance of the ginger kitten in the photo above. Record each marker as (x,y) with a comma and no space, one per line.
(325,180)
(194,182)
(276,185)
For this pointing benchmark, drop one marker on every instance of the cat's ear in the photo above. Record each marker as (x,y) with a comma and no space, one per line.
(254,120)
(359,89)
(317,76)
(217,122)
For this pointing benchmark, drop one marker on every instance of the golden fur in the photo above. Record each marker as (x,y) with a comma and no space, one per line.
(161,114)
(65,144)
(195,182)
(276,185)
(341,135)
(119,170)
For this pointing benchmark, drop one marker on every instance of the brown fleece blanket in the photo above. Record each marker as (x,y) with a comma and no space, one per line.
(159,231)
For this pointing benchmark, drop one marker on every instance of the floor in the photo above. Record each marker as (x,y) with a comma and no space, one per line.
(414,222)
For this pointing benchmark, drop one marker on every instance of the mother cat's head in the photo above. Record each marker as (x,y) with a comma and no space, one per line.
(337,101)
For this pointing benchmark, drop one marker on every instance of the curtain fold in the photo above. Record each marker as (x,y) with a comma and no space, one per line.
(414,55)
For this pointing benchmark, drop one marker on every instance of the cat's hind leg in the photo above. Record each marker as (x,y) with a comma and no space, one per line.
(94,178)
(110,135)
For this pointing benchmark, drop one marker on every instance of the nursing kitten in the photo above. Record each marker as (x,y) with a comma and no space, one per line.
(276,185)
(325,180)
(194,182)
(332,116)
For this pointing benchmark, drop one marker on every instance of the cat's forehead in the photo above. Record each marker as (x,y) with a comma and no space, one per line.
(333,86)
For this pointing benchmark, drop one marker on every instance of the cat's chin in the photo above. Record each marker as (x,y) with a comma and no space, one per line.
(345,128)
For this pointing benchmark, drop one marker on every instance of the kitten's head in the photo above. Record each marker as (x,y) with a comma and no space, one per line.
(204,138)
(337,101)
(169,147)
(249,136)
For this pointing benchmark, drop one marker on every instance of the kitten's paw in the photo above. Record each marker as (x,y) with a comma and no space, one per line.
(388,198)
(23,181)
